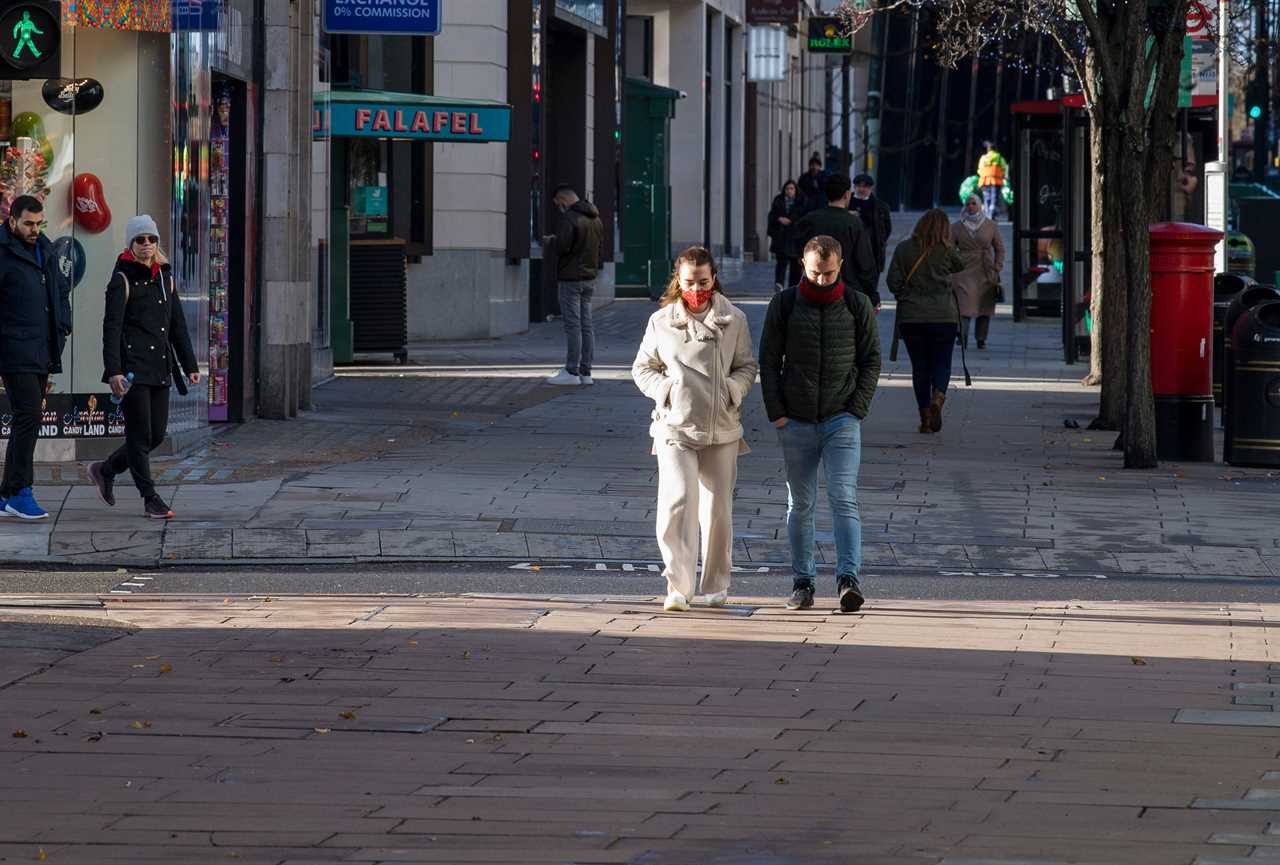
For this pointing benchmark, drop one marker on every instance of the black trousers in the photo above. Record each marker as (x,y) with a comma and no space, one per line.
(787,271)
(146,419)
(26,397)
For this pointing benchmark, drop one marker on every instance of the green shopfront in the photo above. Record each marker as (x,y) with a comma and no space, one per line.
(376,128)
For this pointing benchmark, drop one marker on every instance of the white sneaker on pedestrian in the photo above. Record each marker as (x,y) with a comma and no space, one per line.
(719,599)
(585,379)
(676,603)
(563,378)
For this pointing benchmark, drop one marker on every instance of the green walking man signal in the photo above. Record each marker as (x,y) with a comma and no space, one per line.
(30,39)
(23,31)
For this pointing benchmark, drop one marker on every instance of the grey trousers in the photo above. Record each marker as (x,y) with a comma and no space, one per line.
(579,332)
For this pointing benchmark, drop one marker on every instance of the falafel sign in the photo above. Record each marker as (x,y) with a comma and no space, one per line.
(418,121)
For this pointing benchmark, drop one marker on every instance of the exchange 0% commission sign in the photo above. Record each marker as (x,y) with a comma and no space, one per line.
(387,17)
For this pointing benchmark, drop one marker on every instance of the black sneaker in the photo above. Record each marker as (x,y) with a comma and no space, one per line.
(156,509)
(104,482)
(851,599)
(801,598)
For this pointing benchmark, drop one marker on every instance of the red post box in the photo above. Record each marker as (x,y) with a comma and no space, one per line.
(1182,339)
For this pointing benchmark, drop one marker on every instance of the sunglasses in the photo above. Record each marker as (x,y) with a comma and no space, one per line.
(144,239)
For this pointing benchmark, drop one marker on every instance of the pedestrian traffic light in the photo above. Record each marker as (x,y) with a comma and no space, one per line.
(1255,95)
(30,40)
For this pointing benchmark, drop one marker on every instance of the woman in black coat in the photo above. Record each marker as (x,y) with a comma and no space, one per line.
(144,334)
(784,242)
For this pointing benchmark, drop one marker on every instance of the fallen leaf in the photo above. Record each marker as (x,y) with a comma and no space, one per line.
(138,666)
(350,716)
(276,659)
(95,711)
(535,567)
(322,730)
(413,642)
(166,668)
(226,600)
(19,734)
(1102,477)
(466,655)
(41,855)
(141,725)
(780,781)
(151,658)
(1138,662)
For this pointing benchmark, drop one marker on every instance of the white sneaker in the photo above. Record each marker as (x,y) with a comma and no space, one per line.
(585,379)
(718,599)
(564,377)
(676,603)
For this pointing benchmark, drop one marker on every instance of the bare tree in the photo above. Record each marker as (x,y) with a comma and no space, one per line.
(1127,56)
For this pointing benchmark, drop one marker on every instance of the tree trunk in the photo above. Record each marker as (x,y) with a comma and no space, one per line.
(1098,240)
(1110,185)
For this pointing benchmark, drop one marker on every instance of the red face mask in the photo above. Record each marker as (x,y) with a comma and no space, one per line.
(696,298)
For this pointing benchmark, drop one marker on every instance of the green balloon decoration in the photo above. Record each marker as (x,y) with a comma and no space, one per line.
(29,125)
(1007,194)
(969,187)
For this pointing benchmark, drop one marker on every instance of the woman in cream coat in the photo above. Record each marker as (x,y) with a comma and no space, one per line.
(696,363)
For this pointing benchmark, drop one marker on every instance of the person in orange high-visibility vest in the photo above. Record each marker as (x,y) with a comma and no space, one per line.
(992,169)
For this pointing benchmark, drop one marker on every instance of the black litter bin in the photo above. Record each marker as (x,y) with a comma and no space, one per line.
(1254,407)
(1240,304)
(1225,287)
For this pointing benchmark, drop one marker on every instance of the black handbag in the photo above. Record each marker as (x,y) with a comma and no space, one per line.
(179,380)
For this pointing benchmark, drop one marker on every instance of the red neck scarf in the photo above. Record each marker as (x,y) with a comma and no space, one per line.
(128,255)
(818,295)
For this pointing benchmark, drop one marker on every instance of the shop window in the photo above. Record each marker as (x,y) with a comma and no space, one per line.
(587,10)
(124,131)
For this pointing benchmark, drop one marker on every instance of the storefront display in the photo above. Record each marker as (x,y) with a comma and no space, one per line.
(72,95)
(219,248)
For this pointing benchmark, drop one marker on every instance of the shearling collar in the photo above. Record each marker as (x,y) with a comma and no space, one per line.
(709,328)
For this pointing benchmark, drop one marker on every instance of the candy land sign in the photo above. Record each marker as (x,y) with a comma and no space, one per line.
(71,416)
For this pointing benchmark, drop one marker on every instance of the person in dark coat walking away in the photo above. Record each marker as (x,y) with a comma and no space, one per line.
(576,250)
(810,186)
(920,278)
(859,261)
(786,211)
(35,320)
(819,365)
(874,214)
(144,336)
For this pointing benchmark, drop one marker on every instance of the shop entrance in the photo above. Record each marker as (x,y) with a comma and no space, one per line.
(232,252)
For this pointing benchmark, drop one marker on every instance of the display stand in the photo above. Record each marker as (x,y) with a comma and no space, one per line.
(219,249)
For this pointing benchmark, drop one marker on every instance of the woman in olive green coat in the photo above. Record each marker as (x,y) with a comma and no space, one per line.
(920,278)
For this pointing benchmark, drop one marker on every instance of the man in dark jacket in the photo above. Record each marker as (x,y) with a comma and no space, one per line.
(810,185)
(576,250)
(35,320)
(819,364)
(874,214)
(859,267)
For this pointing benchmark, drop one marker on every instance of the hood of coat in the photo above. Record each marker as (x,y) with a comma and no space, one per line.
(711,327)
(586,208)
(137,272)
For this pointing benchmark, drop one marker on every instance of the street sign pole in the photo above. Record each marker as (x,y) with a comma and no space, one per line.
(1218,174)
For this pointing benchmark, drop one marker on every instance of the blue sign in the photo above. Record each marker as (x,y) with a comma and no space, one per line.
(189,15)
(387,17)
(417,121)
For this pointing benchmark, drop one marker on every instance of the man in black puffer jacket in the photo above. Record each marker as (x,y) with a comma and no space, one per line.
(819,365)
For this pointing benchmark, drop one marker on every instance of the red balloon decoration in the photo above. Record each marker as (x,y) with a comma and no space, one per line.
(89,203)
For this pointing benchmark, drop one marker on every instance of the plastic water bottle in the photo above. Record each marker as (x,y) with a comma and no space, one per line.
(128,383)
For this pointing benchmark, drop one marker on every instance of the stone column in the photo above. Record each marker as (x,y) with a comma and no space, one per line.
(287,286)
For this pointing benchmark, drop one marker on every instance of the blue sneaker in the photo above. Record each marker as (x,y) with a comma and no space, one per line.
(24,506)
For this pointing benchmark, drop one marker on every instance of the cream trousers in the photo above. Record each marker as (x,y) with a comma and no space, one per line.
(695,503)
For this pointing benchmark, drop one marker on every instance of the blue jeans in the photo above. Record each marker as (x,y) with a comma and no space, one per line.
(991,200)
(579,332)
(836,445)
(930,347)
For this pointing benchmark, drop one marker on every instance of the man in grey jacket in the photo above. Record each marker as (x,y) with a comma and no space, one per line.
(576,247)
(819,365)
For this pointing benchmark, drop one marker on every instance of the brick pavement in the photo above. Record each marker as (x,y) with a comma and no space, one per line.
(493,729)
(465,455)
